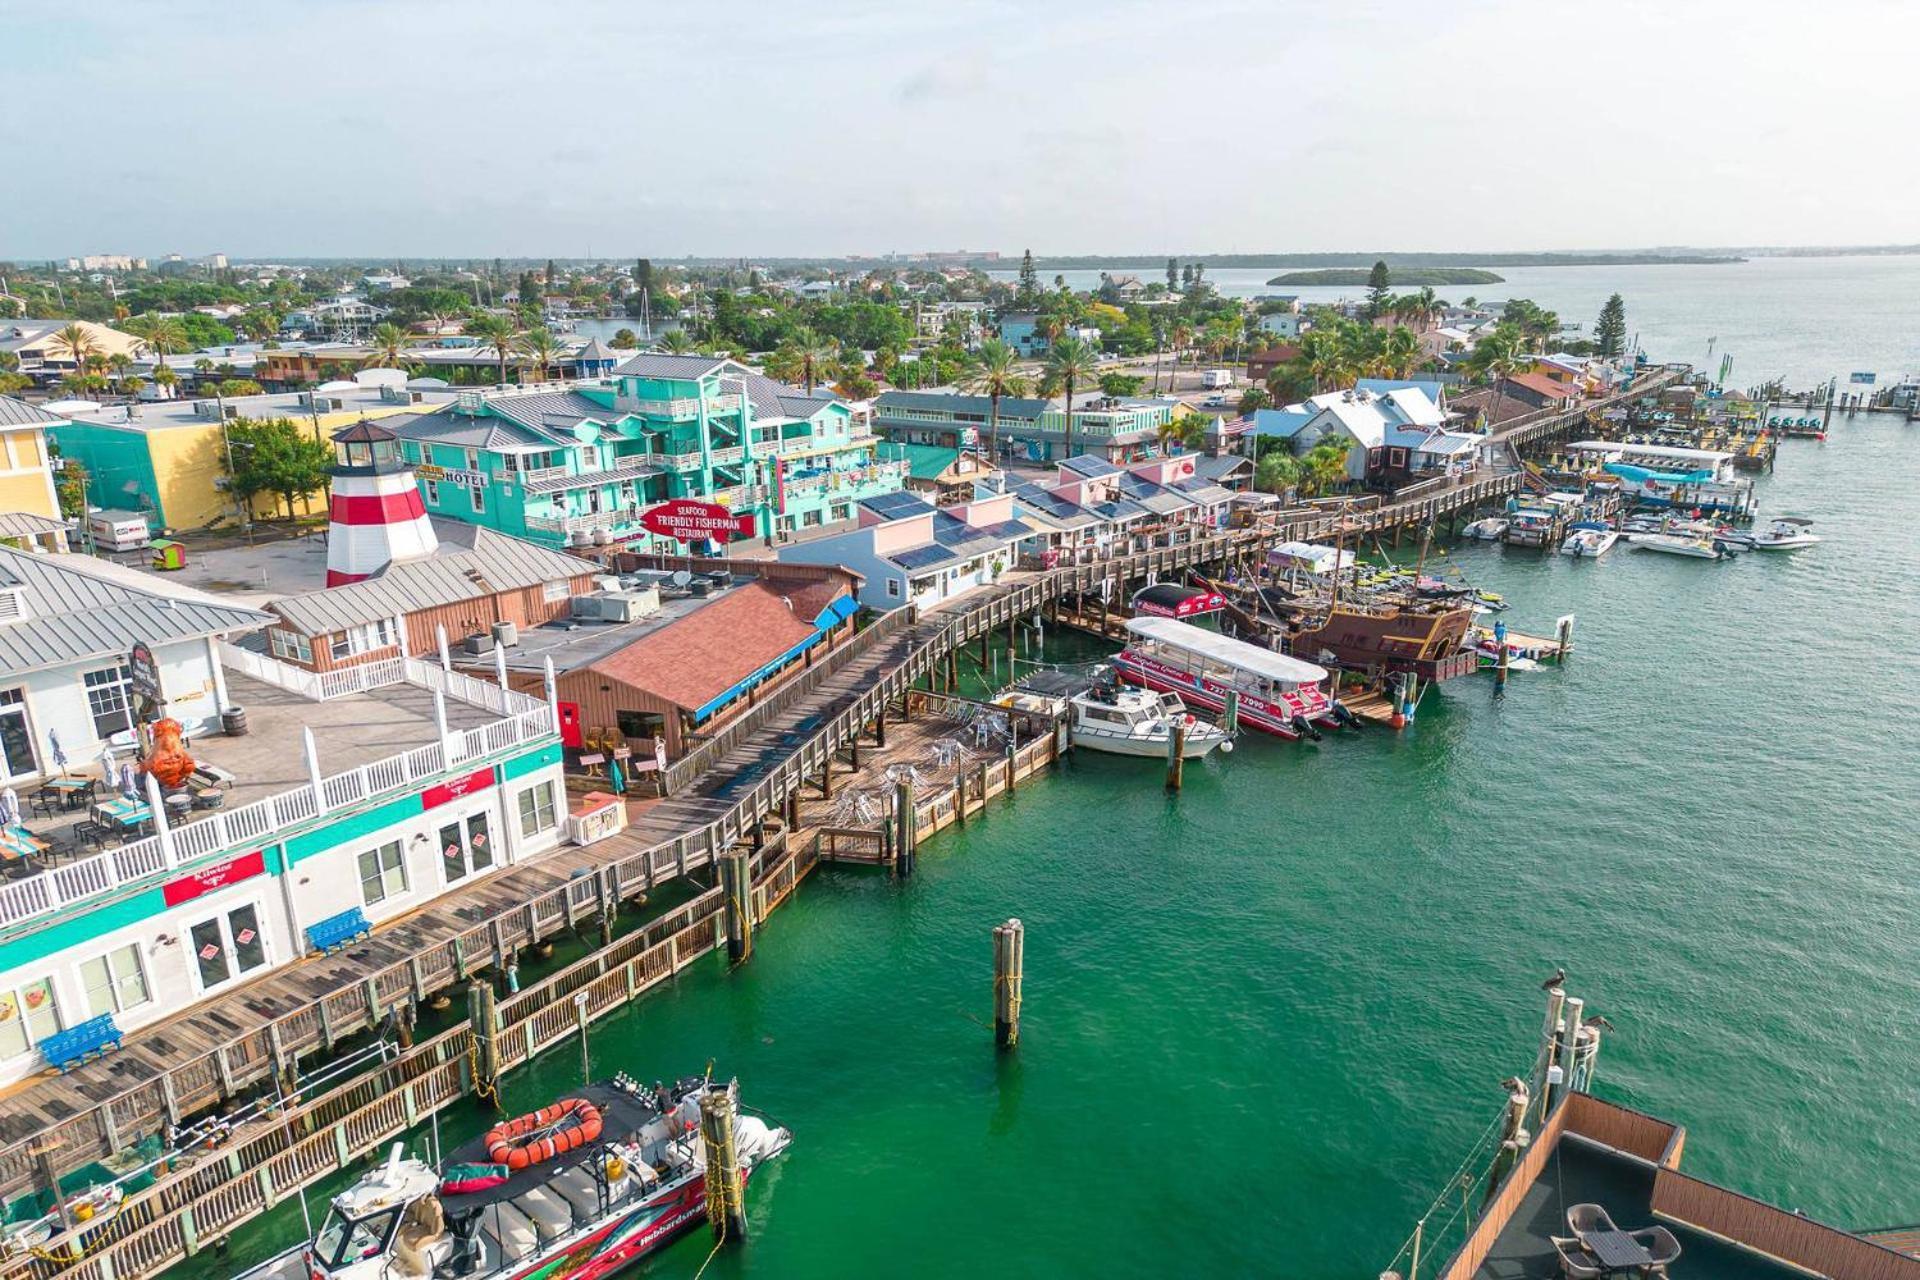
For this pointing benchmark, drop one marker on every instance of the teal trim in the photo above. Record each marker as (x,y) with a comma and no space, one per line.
(521,766)
(102,920)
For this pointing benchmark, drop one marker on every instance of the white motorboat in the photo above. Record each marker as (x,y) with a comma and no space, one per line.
(1675,544)
(1588,541)
(1786,533)
(1487,530)
(1128,721)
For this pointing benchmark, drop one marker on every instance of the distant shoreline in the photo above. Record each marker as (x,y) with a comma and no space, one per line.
(1402,276)
(1396,262)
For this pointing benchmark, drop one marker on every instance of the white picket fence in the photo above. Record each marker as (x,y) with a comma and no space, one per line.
(524,721)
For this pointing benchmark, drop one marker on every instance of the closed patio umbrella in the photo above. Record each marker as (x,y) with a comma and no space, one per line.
(59,753)
(9,807)
(129,785)
(617,778)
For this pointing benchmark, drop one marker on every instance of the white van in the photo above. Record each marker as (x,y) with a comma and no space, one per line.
(1214,379)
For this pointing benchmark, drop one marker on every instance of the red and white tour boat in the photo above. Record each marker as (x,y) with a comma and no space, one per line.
(1278,694)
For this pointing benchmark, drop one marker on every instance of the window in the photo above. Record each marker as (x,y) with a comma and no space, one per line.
(114,982)
(536,809)
(842,511)
(290,645)
(28,1015)
(227,946)
(556,591)
(16,740)
(383,873)
(363,639)
(642,726)
(107,694)
(893,588)
(432,490)
(473,459)
(478,497)
(466,848)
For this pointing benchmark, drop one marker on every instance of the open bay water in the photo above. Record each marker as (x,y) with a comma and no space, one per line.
(1266,1019)
(1801,319)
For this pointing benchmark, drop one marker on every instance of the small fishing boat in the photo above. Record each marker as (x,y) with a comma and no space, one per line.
(1786,533)
(1676,544)
(1487,530)
(581,1189)
(1588,540)
(1125,721)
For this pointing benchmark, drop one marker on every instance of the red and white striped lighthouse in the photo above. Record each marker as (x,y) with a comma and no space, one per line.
(376,514)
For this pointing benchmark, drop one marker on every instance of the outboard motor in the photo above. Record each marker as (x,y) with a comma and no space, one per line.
(1303,727)
(1344,717)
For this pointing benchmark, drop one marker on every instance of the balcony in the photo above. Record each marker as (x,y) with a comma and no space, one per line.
(586,523)
(678,408)
(356,714)
(727,457)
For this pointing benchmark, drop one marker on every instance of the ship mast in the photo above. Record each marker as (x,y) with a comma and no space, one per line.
(1420,565)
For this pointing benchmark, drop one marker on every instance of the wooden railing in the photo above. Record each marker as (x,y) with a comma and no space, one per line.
(1754,1224)
(1497,1212)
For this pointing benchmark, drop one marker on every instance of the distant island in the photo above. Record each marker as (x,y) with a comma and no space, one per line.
(1414,276)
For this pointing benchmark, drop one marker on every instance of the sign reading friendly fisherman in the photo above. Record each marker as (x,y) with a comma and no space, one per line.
(689,521)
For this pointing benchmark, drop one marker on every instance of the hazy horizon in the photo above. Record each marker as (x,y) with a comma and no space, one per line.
(365,130)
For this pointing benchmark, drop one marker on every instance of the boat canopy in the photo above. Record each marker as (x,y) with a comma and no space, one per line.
(1171,600)
(1238,654)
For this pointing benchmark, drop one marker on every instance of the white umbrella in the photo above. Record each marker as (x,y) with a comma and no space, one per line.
(128,785)
(108,765)
(59,752)
(9,807)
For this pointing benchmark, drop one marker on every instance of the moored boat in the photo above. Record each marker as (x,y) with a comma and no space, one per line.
(1276,694)
(1128,721)
(1588,540)
(1676,544)
(1786,533)
(580,1190)
(1488,529)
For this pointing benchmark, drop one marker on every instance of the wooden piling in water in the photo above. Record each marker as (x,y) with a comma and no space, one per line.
(736,887)
(1009,964)
(1176,755)
(1230,717)
(903,833)
(484,1018)
(726,1199)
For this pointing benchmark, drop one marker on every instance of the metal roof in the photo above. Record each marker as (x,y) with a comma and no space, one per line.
(25,524)
(470,432)
(594,479)
(1252,659)
(470,563)
(536,411)
(1037,503)
(1011,407)
(18,413)
(656,364)
(75,612)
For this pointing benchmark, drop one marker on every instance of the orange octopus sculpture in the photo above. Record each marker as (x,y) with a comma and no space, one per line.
(169,762)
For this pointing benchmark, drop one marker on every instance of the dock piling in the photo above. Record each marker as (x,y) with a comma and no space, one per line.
(1230,718)
(726,1202)
(484,1018)
(903,833)
(736,880)
(1009,964)
(1176,755)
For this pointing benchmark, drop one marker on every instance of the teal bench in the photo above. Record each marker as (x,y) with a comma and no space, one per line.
(83,1043)
(336,932)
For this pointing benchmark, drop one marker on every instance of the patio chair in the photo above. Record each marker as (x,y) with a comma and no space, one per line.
(45,802)
(1582,1218)
(1662,1244)
(1575,1264)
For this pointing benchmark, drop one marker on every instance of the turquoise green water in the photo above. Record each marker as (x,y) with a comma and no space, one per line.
(1265,1019)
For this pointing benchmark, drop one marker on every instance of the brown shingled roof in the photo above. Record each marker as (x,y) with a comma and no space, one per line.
(700,657)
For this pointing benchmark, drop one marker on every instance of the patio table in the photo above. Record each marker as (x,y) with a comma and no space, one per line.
(1616,1251)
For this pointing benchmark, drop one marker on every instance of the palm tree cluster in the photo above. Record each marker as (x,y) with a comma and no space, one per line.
(1333,355)
(1319,471)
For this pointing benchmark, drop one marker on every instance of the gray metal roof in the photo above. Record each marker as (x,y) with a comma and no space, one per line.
(76,612)
(18,413)
(657,364)
(472,562)
(466,431)
(538,411)
(25,524)
(594,479)
(801,406)
(1222,466)
(1011,407)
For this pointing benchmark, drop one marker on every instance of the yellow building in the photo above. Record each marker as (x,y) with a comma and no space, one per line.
(26,473)
(169,458)
(37,344)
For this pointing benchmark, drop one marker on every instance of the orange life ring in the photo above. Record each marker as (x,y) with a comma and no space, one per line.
(541,1135)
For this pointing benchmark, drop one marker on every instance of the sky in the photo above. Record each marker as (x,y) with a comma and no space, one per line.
(586,128)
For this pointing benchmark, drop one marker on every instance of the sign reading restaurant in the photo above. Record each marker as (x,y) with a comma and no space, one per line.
(689,521)
(218,876)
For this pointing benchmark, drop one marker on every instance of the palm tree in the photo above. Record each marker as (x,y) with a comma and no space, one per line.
(541,349)
(500,333)
(1277,471)
(1402,352)
(389,345)
(119,362)
(677,342)
(1188,431)
(1070,362)
(1324,354)
(1180,336)
(165,336)
(1501,357)
(1324,467)
(816,354)
(165,378)
(78,343)
(995,373)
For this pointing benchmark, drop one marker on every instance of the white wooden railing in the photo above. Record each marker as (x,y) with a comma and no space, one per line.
(525,721)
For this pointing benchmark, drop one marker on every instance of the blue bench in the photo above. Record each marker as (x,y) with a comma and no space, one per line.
(336,932)
(83,1043)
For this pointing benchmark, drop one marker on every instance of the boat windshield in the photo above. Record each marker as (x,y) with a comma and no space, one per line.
(343,1240)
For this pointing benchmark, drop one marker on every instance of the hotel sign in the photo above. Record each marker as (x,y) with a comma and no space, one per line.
(471,479)
(689,521)
(454,788)
(188,887)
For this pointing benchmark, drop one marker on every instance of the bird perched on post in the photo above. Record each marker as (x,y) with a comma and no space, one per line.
(1559,976)
(1598,1021)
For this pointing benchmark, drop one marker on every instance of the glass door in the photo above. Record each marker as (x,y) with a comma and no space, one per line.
(228,946)
(466,847)
(16,740)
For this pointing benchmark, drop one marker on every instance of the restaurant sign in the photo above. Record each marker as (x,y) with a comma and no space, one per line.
(690,521)
(454,788)
(143,674)
(218,876)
